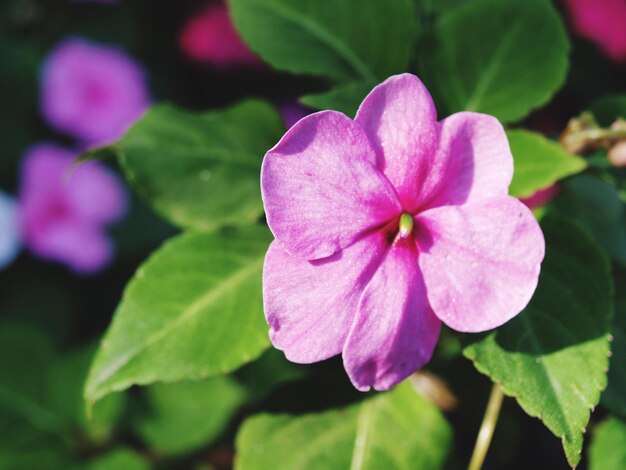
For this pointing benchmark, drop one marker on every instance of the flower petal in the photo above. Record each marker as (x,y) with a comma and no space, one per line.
(480,262)
(473,161)
(401,120)
(96,193)
(321,188)
(395,331)
(85,249)
(310,305)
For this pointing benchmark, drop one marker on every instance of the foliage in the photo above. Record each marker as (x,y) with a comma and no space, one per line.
(163,360)
(505,66)
(553,357)
(177,321)
(377,433)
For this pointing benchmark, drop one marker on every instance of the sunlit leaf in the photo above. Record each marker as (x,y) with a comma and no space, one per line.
(201,171)
(192,311)
(398,430)
(539,162)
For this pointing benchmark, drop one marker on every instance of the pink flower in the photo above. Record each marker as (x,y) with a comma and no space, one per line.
(92,92)
(603,22)
(541,198)
(64,210)
(386,226)
(211,38)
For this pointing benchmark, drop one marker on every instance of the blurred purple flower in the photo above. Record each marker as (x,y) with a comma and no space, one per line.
(9,230)
(64,210)
(92,92)
(603,22)
(541,197)
(211,38)
(292,113)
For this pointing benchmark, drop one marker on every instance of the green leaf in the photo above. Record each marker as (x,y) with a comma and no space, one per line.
(608,108)
(397,429)
(596,205)
(614,397)
(553,357)
(119,459)
(65,383)
(608,445)
(33,455)
(435,7)
(184,416)
(539,162)
(97,153)
(268,372)
(345,40)
(192,311)
(25,355)
(30,430)
(24,447)
(500,57)
(201,171)
(344,98)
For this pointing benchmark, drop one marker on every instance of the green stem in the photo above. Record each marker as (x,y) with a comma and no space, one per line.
(487,428)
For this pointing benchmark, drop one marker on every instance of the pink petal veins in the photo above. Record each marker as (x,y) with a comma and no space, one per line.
(395,331)
(473,161)
(401,120)
(480,262)
(321,188)
(310,305)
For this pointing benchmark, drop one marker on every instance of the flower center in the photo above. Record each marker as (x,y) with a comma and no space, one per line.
(405,226)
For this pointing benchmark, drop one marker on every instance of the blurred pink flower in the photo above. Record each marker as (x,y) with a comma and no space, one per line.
(387,225)
(603,22)
(211,38)
(64,210)
(92,92)
(541,197)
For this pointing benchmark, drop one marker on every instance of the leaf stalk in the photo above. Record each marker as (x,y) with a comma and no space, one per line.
(487,427)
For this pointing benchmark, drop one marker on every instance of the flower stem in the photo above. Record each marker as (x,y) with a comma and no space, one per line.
(487,428)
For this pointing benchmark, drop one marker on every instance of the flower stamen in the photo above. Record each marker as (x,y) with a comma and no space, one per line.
(405,226)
